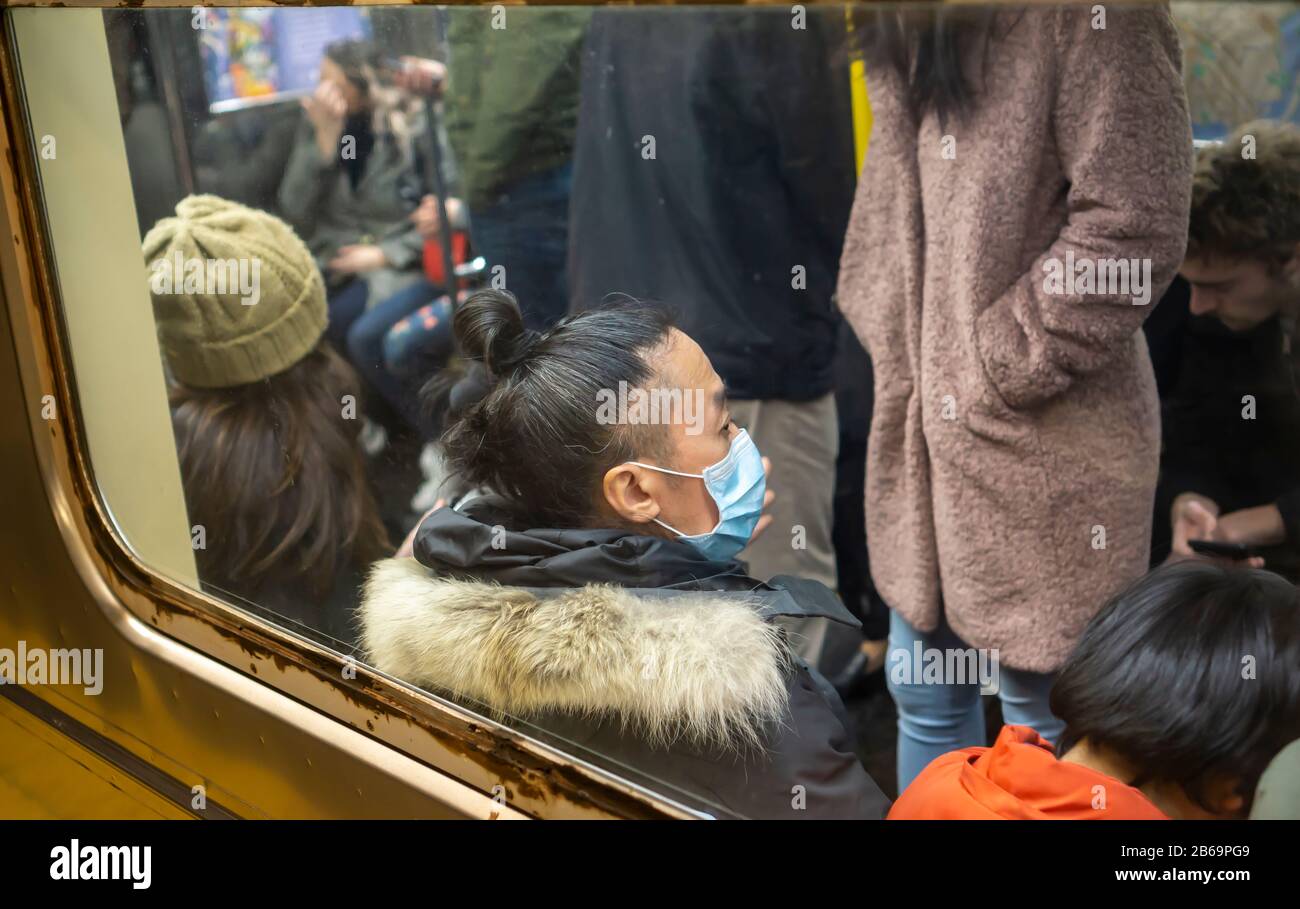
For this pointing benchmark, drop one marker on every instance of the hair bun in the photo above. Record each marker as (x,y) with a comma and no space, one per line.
(490,328)
(468,390)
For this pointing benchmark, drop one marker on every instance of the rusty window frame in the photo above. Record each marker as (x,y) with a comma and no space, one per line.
(536,777)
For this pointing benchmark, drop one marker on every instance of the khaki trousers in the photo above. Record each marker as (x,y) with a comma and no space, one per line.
(801,438)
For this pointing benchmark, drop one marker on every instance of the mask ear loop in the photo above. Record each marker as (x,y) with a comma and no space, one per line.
(668,526)
(678,473)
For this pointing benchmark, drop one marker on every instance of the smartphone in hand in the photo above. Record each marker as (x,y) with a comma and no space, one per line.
(1223,550)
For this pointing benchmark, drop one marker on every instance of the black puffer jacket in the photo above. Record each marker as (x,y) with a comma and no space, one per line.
(629,651)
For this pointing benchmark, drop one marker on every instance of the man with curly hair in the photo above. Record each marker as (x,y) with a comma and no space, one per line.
(1230,461)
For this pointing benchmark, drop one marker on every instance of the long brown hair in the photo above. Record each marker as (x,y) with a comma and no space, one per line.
(274,474)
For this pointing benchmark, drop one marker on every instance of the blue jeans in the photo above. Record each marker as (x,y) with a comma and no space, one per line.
(526,231)
(935,718)
(346,304)
(365,346)
(421,342)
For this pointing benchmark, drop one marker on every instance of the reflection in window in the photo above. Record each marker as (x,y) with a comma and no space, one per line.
(327,188)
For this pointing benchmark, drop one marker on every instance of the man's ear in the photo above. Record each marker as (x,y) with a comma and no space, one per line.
(632,492)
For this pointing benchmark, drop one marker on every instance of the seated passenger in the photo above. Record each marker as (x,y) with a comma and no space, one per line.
(1230,411)
(361,162)
(1176,699)
(589,585)
(273,474)
(416,313)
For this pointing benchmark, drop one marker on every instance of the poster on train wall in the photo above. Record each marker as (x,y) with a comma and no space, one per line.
(1241,62)
(257,56)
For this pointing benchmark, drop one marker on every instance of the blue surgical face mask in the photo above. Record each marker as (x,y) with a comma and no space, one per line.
(736,484)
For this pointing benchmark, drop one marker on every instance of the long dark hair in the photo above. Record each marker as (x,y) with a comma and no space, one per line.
(927,46)
(274,474)
(394,112)
(360,61)
(526,422)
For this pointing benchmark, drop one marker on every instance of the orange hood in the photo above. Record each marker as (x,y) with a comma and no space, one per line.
(1019,778)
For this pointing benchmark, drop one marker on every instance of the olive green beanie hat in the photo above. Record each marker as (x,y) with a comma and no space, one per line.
(236,295)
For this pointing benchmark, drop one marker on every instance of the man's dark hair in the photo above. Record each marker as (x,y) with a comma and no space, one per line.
(534,434)
(1192,676)
(1248,207)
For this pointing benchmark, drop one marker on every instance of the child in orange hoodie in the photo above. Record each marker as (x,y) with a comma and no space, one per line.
(1177,697)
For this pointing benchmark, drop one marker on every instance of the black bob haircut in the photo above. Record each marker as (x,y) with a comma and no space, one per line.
(1192,675)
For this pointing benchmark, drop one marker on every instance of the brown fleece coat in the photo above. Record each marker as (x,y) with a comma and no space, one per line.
(1015,437)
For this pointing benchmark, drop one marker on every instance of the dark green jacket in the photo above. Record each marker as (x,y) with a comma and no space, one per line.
(512,96)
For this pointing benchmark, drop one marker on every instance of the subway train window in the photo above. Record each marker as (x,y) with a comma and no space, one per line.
(546,357)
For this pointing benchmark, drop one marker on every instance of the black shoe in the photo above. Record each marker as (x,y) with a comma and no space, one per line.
(855,679)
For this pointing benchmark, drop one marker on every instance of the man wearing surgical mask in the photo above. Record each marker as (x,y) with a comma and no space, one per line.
(590,586)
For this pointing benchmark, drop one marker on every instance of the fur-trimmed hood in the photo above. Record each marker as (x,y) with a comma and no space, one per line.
(699,665)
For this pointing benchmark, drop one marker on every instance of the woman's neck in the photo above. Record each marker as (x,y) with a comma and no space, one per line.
(1104,761)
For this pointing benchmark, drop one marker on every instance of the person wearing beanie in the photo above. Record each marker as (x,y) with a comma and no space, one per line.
(266,315)
(273,474)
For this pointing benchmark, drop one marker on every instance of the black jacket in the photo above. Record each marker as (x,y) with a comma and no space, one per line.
(752,177)
(629,651)
(1204,372)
